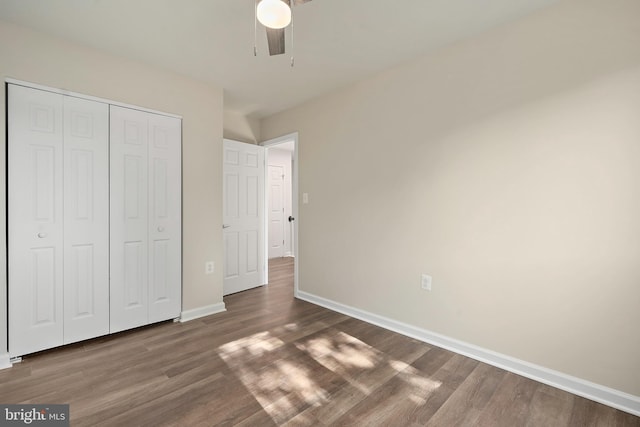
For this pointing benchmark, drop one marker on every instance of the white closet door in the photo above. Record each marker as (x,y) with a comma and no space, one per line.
(165,290)
(129,218)
(86,219)
(35,209)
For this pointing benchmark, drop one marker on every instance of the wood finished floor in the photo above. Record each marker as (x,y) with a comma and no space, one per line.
(273,360)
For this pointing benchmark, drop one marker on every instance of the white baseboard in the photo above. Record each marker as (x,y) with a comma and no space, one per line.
(5,361)
(199,312)
(596,392)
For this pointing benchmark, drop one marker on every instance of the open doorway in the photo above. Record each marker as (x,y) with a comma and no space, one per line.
(281,201)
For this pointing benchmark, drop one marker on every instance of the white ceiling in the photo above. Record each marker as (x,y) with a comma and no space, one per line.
(336,41)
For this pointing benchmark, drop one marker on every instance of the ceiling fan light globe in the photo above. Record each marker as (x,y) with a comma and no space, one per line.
(274,14)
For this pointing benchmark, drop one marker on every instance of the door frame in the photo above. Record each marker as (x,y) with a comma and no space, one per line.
(273,143)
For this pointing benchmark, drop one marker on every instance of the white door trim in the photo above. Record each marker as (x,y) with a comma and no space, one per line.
(296,214)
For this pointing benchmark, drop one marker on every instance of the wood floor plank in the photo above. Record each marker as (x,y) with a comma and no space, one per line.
(586,413)
(394,345)
(467,402)
(550,407)
(511,404)
(273,360)
(448,378)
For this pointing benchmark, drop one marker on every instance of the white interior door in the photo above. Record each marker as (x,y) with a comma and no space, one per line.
(129,218)
(243,207)
(276,211)
(165,246)
(35,214)
(86,219)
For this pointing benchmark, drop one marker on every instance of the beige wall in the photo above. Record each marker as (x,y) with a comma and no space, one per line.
(33,57)
(508,168)
(239,127)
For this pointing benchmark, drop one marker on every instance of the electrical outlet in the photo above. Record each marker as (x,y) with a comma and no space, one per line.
(209,267)
(426,282)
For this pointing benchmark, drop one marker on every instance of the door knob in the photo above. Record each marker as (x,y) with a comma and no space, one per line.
(42,235)
(291,219)
(161,229)
(225,226)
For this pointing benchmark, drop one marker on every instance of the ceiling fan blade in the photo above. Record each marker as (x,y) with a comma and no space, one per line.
(299,2)
(275,39)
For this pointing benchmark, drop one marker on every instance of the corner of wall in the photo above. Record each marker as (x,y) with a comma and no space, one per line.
(196,313)
(241,127)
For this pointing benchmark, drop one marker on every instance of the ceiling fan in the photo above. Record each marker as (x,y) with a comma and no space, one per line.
(275,15)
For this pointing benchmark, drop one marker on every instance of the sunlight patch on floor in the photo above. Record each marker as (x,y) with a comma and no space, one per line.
(255,345)
(279,385)
(421,387)
(344,349)
(344,355)
(281,377)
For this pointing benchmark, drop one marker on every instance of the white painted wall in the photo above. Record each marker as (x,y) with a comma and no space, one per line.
(31,56)
(507,167)
(279,157)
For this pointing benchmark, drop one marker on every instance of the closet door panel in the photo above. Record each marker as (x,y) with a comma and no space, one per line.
(86,219)
(165,290)
(129,223)
(35,215)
